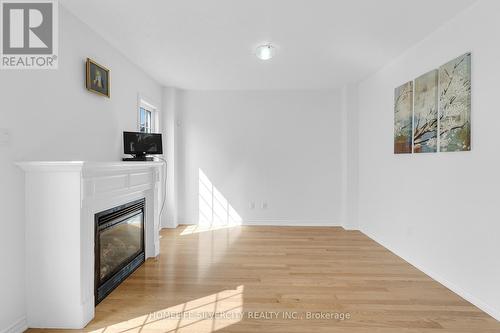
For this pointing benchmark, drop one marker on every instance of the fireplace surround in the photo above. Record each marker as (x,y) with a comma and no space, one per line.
(62,200)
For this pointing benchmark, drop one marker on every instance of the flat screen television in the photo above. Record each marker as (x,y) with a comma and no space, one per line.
(141,144)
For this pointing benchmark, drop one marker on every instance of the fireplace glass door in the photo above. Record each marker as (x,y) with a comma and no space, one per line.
(119,245)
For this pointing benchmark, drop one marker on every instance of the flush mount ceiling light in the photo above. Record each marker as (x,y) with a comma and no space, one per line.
(265,52)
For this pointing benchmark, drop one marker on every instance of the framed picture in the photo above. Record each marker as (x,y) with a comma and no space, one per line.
(97,78)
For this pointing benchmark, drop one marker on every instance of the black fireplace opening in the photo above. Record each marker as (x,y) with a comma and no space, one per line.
(119,245)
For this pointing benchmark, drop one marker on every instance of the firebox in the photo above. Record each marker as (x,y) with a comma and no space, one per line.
(119,245)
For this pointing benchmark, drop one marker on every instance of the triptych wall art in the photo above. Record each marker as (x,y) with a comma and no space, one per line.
(432,113)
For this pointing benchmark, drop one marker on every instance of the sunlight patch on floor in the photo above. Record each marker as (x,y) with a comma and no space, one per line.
(203,315)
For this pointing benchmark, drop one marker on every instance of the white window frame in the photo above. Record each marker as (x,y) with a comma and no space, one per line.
(143,103)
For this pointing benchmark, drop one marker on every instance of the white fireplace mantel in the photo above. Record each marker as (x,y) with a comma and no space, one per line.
(62,199)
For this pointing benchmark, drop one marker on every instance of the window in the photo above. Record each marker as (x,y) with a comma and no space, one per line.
(145,120)
(147,117)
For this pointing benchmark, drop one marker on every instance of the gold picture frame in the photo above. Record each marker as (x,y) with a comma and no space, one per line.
(97,78)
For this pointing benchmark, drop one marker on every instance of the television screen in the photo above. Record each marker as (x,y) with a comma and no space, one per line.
(136,143)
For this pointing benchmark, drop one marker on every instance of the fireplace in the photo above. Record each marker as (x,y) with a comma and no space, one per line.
(119,245)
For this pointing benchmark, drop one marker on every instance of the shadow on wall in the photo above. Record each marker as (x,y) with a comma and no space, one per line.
(214,208)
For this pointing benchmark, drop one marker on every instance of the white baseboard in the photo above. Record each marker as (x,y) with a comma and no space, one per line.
(456,289)
(169,226)
(282,223)
(19,326)
(291,223)
(350,227)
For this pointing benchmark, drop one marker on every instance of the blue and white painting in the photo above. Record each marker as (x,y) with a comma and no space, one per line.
(403,115)
(425,113)
(455,104)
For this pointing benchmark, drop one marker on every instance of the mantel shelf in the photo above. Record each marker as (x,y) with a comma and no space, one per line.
(50,166)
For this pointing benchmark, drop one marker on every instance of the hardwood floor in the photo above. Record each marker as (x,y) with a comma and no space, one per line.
(253,277)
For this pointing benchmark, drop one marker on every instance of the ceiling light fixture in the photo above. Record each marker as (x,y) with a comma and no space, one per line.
(265,52)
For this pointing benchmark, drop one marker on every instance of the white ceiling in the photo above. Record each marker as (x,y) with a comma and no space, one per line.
(209,44)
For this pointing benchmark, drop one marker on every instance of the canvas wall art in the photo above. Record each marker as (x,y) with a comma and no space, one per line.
(403,114)
(455,104)
(425,113)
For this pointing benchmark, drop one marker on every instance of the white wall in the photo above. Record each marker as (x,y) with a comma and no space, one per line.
(280,147)
(349,107)
(170,111)
(439,211)
(51,116)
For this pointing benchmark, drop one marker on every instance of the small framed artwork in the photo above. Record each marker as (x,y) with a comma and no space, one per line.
(97,78)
